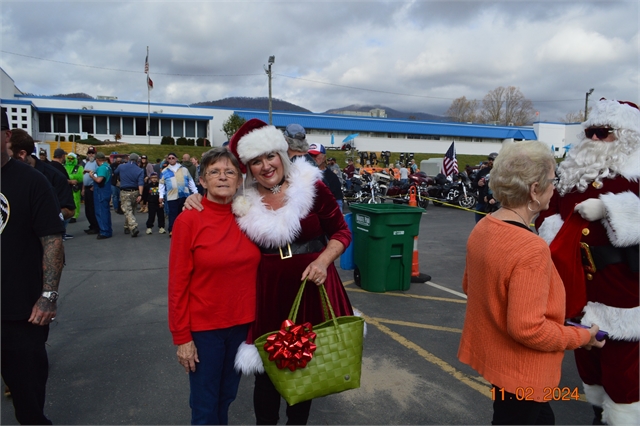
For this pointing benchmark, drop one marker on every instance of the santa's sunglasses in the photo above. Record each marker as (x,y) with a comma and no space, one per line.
(600,132)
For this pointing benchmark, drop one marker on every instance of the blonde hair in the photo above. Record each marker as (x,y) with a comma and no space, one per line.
(519,166)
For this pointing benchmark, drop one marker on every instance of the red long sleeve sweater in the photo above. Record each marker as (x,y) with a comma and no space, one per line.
(212,272)
(514,333)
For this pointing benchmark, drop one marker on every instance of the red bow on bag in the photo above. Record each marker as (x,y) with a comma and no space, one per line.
(292,347)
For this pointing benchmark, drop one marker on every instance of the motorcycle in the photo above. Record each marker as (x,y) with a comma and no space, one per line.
(455,189)
(364,189)
(399,193)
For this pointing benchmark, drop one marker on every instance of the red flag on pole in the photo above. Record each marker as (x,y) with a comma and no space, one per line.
(149,83)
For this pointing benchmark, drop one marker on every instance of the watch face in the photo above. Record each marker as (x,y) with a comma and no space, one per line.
(52,296)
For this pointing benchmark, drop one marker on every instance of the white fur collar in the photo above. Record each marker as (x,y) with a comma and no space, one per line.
(275,228)
(631,168)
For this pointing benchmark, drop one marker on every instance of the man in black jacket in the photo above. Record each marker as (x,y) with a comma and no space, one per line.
(318,153)
(480,183)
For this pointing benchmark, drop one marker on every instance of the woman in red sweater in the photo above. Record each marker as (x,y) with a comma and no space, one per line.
(514,333)
(212,290)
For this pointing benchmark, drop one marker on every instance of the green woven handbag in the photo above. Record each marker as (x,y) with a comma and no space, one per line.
(335,365)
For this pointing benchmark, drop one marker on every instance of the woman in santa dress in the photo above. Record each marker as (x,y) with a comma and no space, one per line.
(297,224)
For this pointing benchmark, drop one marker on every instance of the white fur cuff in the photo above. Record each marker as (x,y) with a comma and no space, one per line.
(550,227)
(620,323)
(623,218)
(620,414)
(248,360)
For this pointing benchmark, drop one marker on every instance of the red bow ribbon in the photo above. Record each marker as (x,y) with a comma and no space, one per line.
(292,347)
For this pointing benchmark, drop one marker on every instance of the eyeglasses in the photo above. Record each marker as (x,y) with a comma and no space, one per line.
(215,173)
(600,132)
(171,158)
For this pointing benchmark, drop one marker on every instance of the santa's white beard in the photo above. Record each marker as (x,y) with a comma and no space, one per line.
(591,161)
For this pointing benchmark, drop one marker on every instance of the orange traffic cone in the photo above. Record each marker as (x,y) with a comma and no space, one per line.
(416,276)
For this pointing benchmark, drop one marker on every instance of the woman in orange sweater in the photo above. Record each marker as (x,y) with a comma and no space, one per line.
(514,333)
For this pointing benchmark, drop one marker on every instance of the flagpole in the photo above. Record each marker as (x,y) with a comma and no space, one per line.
(148,106)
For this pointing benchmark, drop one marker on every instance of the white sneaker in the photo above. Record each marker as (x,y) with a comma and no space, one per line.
(161,231)
(149,231)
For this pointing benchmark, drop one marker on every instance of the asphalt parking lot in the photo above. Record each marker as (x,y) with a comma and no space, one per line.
(113,362)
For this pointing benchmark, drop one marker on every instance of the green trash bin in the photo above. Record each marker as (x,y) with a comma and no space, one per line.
(383,245)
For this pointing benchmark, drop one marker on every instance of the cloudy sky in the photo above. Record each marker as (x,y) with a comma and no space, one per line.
(409,55)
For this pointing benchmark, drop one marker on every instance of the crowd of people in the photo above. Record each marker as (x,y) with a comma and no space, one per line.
(270,202)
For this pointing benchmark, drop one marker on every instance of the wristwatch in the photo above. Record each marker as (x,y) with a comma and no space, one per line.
(51,296)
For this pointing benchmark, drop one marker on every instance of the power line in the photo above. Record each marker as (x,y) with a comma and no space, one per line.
(259,74)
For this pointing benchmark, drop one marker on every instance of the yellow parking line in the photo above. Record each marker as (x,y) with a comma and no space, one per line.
(411,296)
(418,325)
(467,380)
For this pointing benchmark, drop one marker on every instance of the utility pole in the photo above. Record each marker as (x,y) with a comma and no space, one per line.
(272,59)
(586,103)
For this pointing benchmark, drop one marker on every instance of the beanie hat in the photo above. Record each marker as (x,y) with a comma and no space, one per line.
(616,114)
(254,138)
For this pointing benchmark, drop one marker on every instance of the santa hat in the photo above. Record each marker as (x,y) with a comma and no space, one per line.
(254,138)
(567,257)
(614,114)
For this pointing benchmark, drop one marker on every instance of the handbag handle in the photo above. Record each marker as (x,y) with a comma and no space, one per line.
(324,299)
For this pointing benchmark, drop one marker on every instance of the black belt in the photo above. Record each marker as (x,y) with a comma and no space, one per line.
(598,257)
(315,245)
(128,189)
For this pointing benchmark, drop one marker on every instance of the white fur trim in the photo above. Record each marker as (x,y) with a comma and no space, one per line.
(620,414)
(595,394)
(357,313)
(612,113)
(622,220)
(550,227)
(275,228)
(620,323)
(631,168)
(248,360)
(261,141)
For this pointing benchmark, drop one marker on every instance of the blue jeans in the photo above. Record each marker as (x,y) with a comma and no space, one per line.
(480,207)
(214,384)
(101,198)
(115,197)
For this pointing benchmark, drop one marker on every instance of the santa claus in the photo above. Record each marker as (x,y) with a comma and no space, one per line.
(599,181)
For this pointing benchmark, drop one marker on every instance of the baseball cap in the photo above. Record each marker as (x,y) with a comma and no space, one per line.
(153,174)
(91,150)
(144,156)
(316,148)
(295,131)
(59,152)
(493,156)
(133,157)
(101,156)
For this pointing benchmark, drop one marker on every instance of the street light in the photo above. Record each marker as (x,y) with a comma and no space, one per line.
(586,103)
(272,59)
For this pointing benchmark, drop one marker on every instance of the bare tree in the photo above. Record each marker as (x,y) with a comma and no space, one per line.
(575,117)
(463,110)
(507,106)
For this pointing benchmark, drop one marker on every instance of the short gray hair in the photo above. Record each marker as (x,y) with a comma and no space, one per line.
(520,165)
(216,154)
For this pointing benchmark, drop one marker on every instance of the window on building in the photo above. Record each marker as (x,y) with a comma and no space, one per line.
(101,125)
(87,123)
(114,125)
(44,121)
(59,123)
(165,127)
(202,129)
(177,128)
(24,110)
(141,126)
(24,126)
(127,125)
(24,118)
(14,109)
(153,128)
(190,128)
(73,123)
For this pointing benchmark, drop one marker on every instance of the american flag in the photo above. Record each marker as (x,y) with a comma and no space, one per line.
(149,83)
(450,163)
(146,64)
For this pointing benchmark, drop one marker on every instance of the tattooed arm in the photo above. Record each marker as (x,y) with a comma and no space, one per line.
(52,261)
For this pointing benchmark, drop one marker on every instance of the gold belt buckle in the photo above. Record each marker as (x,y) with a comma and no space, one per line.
(282,256)
(592,266)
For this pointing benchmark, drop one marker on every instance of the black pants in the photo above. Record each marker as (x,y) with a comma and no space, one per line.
(510,411)
(25,368)
(90,208)
(155,210)
(266,404)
